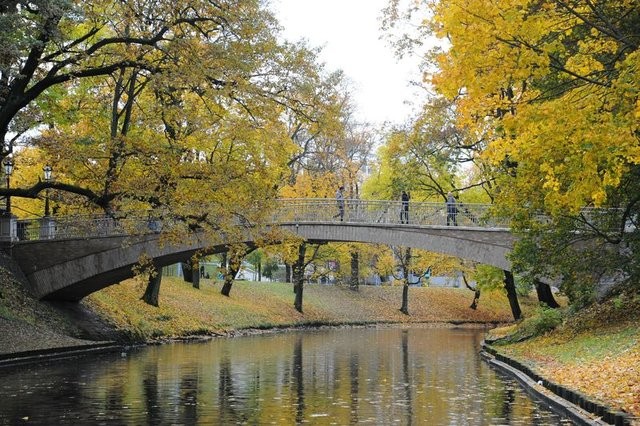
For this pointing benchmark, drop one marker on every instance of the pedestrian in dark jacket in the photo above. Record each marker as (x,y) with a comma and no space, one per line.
(404,210)
(452,210)
(340,202)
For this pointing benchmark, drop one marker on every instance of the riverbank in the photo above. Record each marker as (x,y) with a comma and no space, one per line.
(594,353)
(185,311)
(117,314)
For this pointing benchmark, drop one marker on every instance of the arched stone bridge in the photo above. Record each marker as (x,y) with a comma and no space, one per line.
(67,258)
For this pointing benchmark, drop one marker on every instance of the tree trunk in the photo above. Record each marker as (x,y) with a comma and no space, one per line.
(151,295)
(195,273)
(476,293)
(287,273)
(405,298)
(298,380)
(223,263)
(355,270)
(545,295)
(476,298)
(510,286)
(229,275)
(292,278)
(259,271)
(187,272)
(298,277)
(405,288)
(233,266)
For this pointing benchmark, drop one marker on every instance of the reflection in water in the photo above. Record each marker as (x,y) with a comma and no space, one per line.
(226,395)
(150,389)
(406,367)
(354,374)
(298,378)
(418,375)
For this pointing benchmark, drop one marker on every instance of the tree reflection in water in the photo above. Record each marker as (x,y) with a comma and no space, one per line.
(376,375)
(298,378)
(150,390)
(354,375)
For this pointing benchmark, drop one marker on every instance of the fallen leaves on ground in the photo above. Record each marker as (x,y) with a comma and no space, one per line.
(596,352)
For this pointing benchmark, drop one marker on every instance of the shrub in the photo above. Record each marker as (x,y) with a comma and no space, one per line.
(544,319)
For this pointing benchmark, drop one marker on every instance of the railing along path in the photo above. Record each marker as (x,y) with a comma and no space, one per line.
(285,211)
(374,212)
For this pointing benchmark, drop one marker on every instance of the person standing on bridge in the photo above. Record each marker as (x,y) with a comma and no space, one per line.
(340,201)
(404,211)
(452,210)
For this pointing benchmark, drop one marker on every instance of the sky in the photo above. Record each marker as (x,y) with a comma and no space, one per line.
(349,35)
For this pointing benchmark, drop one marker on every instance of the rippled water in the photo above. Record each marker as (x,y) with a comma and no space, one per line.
(381,376)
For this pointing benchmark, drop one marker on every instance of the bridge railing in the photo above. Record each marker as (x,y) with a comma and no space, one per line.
(374,212)
(285,211)
(85,226)
(386,212)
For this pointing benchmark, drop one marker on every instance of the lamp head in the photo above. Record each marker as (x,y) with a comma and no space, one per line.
(8,166)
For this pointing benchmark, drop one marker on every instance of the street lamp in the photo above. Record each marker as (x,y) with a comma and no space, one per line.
(8,169)
(47,178)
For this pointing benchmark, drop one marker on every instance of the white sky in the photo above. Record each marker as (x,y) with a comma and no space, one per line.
(348,32)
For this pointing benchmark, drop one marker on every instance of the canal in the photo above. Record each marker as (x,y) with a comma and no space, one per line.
(377,375)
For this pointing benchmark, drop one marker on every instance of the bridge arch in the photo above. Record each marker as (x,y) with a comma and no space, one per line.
(70,269)
(486,246)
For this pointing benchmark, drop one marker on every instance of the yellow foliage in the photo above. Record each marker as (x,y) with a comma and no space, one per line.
(536,81)
(28,164)
(311,186)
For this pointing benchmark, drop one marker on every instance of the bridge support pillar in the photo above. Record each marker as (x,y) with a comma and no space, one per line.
(47,228)
(8,228)
(196,273)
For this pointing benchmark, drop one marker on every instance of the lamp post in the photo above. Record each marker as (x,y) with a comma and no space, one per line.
(8,169)
(47,178)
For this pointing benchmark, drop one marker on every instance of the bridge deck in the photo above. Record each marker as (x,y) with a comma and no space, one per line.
(68,258)
(476,216)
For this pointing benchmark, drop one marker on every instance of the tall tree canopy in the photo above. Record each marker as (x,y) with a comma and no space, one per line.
(180,106)
(551,88)
(557,84)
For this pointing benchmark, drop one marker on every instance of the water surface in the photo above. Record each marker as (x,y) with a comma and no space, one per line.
(380,376)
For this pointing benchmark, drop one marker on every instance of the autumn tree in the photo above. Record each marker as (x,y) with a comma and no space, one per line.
(210,82)
(256,258)
(430,156)
(404,259)
(316,126)
(552,88)
(403,266)
(47,48)
(147,270)
(235,255)
(304,258)
(336,153)
(182,109)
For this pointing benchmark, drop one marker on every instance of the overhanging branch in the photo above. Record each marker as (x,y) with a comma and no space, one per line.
(100,200)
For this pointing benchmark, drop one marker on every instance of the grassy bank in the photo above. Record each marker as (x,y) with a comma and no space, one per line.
(595,351)
(185,311)
(117,313)
(27,324)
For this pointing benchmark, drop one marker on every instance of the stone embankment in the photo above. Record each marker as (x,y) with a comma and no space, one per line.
(563,401)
